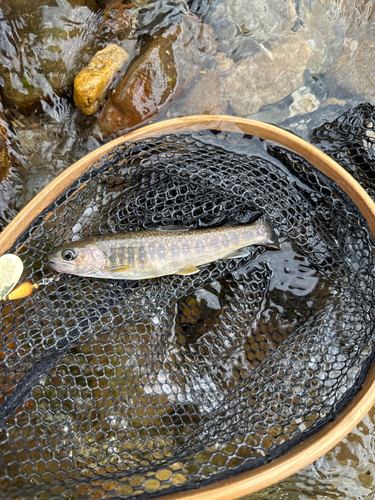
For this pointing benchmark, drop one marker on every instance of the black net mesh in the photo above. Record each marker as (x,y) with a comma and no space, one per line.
(350,140)
(113,389)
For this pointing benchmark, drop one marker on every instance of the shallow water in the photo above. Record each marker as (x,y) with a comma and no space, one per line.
(296,64)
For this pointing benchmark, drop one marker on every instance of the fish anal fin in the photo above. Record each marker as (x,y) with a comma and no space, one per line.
(116,269)
(237,254)
(188,270)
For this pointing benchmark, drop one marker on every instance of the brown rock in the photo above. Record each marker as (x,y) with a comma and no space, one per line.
(92,83)
(267,77)
(118,21)
(205,97)
(167,64)
(148,84)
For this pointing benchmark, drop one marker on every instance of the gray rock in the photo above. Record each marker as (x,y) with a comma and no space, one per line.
(324,33)
(267,77)
(240,23)
(355,70)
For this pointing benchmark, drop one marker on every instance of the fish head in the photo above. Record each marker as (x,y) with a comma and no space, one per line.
(82,259)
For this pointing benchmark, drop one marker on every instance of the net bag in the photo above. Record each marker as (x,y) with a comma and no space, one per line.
(122,389)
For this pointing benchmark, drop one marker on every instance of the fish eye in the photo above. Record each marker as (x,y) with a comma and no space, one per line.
(68,254)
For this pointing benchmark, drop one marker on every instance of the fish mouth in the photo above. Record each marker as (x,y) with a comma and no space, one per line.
(56,266)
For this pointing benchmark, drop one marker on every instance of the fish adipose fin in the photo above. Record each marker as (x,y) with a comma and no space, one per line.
(237,254)
(173,228)
(116,269)
(189,270)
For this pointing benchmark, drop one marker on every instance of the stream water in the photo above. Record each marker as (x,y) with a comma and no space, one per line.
(294,63)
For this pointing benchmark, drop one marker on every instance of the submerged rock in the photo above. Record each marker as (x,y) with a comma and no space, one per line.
(321,28)
(5,159)
(119,21)
(168,63)
(11,169)
(205,97)
(57,41)
(267,77)
(239,24)
(148,84)
(355,70)
(25,91)
(92,83)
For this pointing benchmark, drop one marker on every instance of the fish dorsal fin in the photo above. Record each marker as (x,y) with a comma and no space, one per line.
(173,228)
(188,270)
(116,269)
(237,254)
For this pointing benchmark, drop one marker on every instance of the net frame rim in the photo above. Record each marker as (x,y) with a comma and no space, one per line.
(322,441)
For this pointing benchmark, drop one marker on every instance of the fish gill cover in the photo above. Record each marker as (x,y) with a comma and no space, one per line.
(137,388)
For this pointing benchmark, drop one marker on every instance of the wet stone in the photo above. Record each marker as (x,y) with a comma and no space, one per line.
(268,76)
(45,64)
(240,23)
(92,83)
(205,97)
(158,75)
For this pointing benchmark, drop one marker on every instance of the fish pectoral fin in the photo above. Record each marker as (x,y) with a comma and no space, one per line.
(189,270)
(173,228)
(116,269)
(237,254)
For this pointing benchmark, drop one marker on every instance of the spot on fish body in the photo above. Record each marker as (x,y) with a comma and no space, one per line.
(235,238)
(225,240)
(142,254)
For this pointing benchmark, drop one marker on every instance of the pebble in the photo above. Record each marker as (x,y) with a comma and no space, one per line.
(92,83)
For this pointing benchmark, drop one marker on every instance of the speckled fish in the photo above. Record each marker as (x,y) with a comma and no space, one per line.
(158,252)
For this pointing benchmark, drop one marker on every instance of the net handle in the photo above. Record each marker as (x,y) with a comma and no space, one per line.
(321,442)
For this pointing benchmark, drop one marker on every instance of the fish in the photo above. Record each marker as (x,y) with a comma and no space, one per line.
(136,255)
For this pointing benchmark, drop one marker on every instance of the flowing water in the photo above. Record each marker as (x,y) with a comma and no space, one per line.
(293,63)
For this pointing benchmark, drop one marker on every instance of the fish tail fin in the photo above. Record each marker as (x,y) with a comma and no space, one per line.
(271,239)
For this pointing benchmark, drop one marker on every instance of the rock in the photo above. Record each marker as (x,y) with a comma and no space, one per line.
(332,101)
(223,62)
(64,48)
(303,102)
(11,170)
(267,77)
(168,63)
(92,83)
(25,91)
(354,17)
(205,97)
(321,28)
(239,23)
(355,70)
(57,42)
(262,19)
(148,84)
(200,7)
(119,21)
(5,159)
(22,7)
